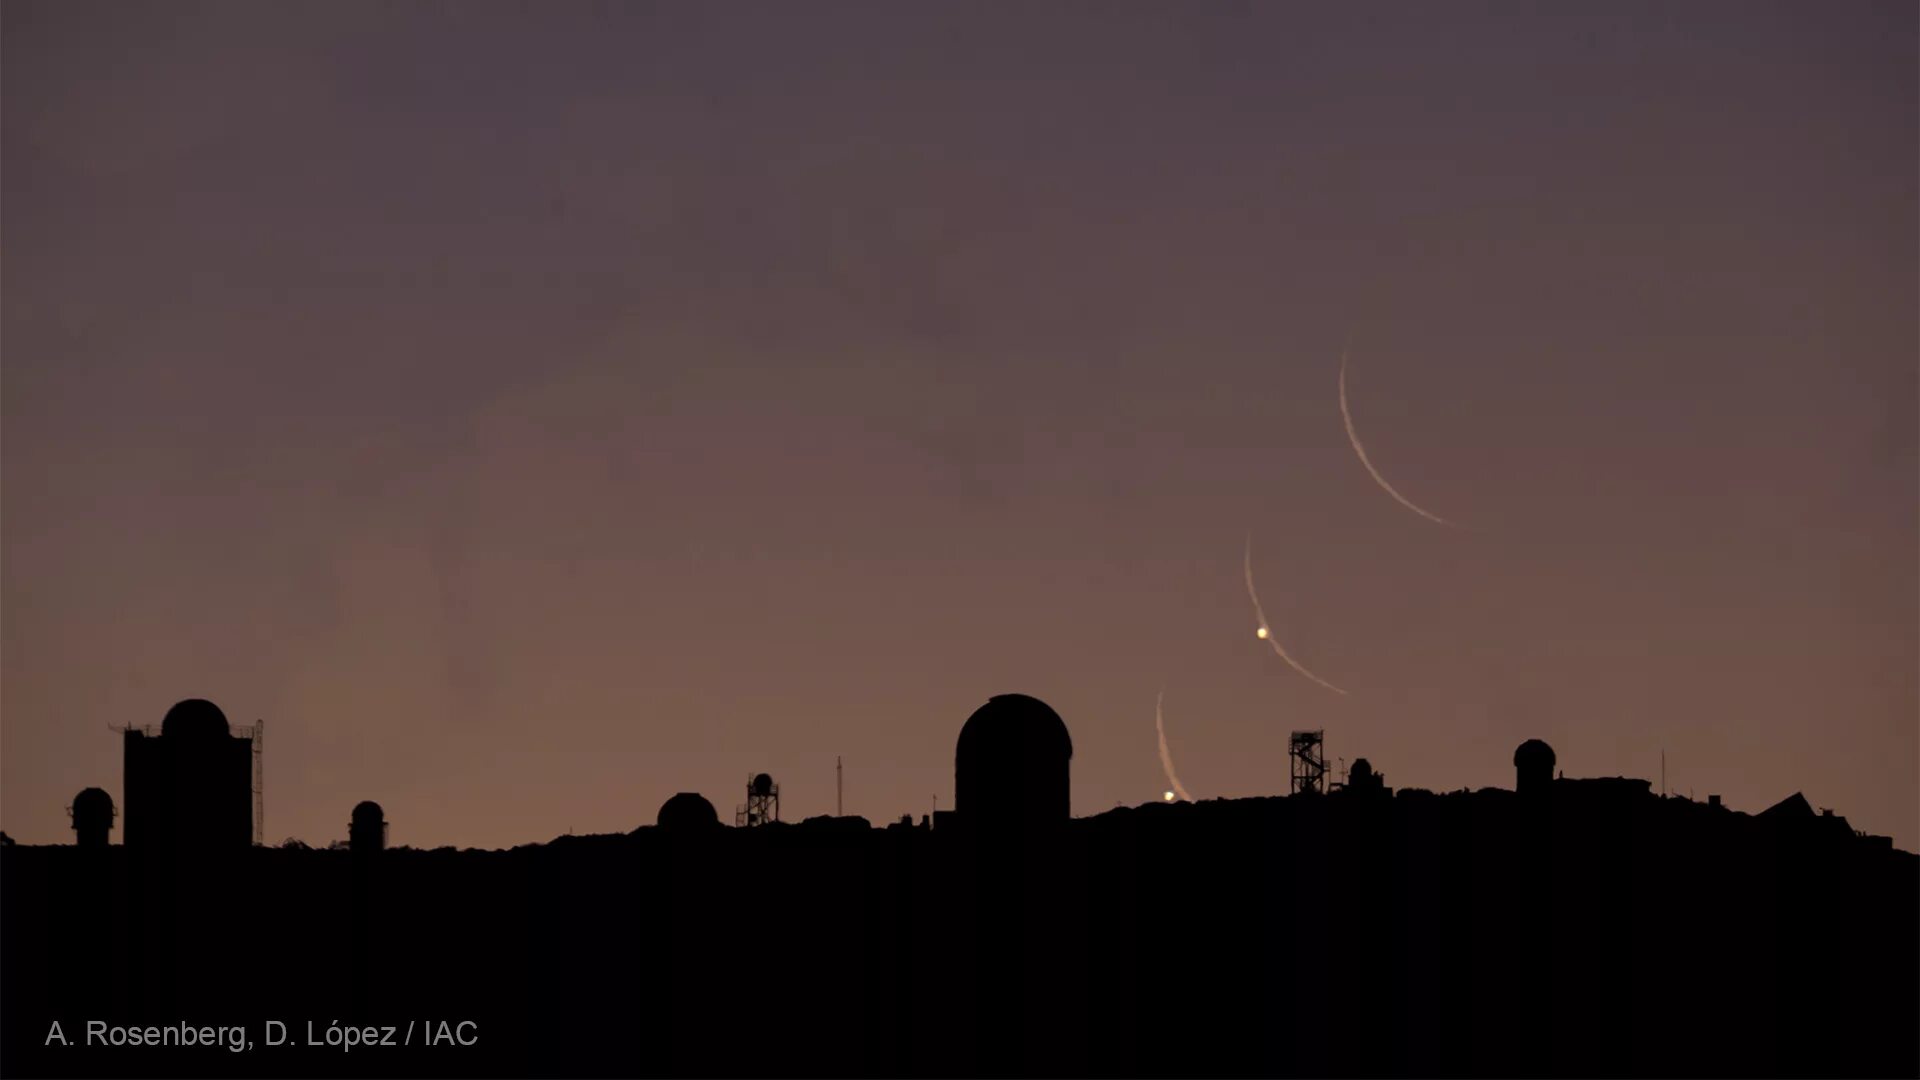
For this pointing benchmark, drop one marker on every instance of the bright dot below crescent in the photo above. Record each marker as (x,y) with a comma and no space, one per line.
(1261,633)
(1169,796)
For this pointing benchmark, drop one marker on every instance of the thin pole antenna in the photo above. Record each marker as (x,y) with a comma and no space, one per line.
(1663,772)
(839,789)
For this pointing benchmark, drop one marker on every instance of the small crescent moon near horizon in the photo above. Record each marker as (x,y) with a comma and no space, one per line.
(1265,632)
(1361,451)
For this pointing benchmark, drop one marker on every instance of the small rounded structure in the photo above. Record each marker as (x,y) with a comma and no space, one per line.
(1533,764)
(194,718)
(687,811)
(367,831)
(1362,778)
(1012,765)
(92,817)
(763,785)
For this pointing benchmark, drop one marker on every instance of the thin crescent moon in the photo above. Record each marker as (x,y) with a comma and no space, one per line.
(1270,638)
(1354,438)
(1166,759)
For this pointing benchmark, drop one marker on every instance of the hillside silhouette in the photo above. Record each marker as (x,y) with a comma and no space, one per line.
(1581,927)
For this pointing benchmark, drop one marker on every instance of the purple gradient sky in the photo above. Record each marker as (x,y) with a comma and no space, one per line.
(532,411)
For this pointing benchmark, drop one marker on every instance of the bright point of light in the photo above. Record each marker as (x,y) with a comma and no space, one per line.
(1169,796)
(1261,633)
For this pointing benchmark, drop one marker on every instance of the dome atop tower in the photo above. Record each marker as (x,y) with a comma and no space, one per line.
(194,718)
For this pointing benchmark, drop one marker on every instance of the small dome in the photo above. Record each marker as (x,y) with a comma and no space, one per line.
(687,810)
(1533,767)
(1361,772)
(92,801)
(194,718)
(1533,753)
(92,812)
(368,812)
(763,784)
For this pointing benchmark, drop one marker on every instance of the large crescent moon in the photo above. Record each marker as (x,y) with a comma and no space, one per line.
(1266,630)
(1354,438)
(1166,759)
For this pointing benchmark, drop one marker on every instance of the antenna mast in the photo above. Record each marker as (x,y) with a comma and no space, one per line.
(839,790)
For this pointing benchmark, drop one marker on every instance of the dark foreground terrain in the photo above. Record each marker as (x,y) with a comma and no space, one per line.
(1593,929)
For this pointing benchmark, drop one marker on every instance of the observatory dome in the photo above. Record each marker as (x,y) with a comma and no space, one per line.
(1532,765)
(763,784)
(1015,723)
(1012,762)
(367,828)
(687,810)
(194,718)
(92,802)
(92,812)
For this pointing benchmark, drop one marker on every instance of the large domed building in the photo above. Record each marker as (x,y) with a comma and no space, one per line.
(191,785)
(1012,764)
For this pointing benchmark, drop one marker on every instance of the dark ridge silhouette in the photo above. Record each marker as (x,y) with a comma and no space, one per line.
(1793,807)
(1587,928)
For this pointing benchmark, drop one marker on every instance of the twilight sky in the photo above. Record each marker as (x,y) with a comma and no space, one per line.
(534,410)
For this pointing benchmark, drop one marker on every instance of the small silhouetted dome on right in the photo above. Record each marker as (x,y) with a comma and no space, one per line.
(1533,766)
(194,718)
(687,810)
(1012,764)
(368,813)
(763,784)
